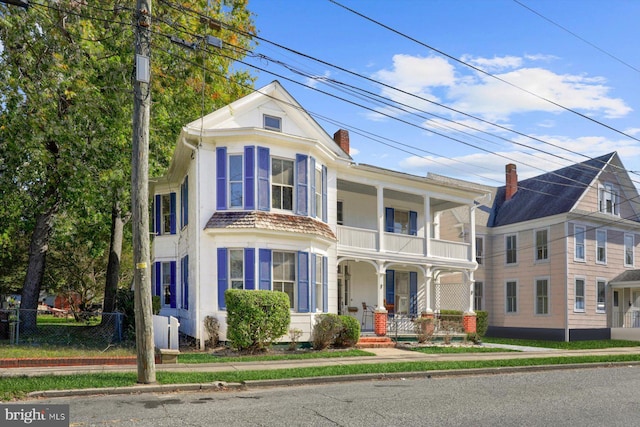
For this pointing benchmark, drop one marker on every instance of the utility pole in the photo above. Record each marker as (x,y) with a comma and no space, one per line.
(140,196)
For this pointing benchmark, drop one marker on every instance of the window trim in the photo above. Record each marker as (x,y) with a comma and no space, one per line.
(232,279)
(547,296)
(583,244)
(230,205)
(598,260)
(610,189)
(281,185)
(267,117)
(340,212)
(507,237)
(478,300)
(633,249)
(583,296)
(294,303)
(506,297)
(184,202)
(604,303)
(545,246)
(480,250)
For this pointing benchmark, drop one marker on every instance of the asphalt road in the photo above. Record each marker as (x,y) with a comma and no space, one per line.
(576,397)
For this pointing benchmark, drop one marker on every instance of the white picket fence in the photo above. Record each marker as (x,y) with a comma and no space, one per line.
(165,332)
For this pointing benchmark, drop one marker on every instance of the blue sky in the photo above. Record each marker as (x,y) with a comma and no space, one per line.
(443,118)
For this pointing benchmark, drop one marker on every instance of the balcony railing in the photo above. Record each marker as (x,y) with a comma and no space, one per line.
(368,240)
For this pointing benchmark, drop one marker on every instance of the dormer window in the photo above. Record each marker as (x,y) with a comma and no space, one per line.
(608,199)
(272,123)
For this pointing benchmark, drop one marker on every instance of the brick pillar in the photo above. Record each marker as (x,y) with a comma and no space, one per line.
(429,326)
(469,322)
(380,322)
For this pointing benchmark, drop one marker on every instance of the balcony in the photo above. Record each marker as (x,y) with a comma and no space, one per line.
(368,240)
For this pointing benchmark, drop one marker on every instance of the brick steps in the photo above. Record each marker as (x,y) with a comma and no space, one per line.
(375,342)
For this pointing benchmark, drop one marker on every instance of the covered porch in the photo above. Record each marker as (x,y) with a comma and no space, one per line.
(624,319)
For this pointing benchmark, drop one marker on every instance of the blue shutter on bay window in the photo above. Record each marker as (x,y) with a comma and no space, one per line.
(313,209)
(249,268)
(172,205)
(303,282)
(221,178)
(324,194)
(325,284)
(302,184)
(185,282)
(264,269)
(222,277)
(388,220)
(314,277)
(264,189)
(249,178)
(390,291)
(413,293)
(172,284)
(413,223)
(157,225)
(158,278)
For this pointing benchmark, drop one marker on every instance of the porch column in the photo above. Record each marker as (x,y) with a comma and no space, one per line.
(472,246)
(427,226)
(380,314)
(427,284)
(381,275)
(381,227)
(471,281)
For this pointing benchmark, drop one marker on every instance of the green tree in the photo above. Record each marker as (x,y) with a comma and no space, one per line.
(65,122)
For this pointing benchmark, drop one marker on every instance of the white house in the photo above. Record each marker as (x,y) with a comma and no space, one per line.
(259,196)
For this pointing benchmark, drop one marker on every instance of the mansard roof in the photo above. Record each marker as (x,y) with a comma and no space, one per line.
(269,221)
(549,194)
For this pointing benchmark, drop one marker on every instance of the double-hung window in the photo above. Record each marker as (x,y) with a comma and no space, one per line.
(319,282)
(511,292)
(236,198)
(284,275)
(601,296)
(184,269)
(479,250)
(601,246)
(579,291)
(340,212)
(166,284)
(184,202)
(477,295)
(282,184)
(401,221)
(542,296)
(542,248)
(236,268)
(318,192)
(579,238)
(511,249)
(628,250)
(608,199)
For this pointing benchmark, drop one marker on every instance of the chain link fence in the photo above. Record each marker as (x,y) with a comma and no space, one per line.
(80,330)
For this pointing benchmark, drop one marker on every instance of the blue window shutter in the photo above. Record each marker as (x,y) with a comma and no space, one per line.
(249,268)
(313,282)
(184,197)
(158,215)
(221,178)
(172,198)
(413,223)
(222,277)
(413,293)
(301,183)
(388,220)
(391,282)
(264,269)
(313,209)
(185,282)
(325,284)
(158,278)
(324,193)
(303,282)
(249,178)
(172,284)
(264,189)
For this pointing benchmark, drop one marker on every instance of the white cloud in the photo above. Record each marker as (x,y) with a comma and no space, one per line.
(497,63)
(416,73)
(353,151)
(313,81)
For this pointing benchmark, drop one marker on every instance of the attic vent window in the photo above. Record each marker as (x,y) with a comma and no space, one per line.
(272,123)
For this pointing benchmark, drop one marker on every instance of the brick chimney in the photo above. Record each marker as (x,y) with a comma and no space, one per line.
(511,181)
(341,137)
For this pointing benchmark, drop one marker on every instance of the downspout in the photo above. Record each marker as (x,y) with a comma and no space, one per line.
(566,283)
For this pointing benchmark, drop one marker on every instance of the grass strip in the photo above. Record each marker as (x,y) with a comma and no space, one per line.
(17,387)
(571,345)
(209,358)
(42,351)
(449,350)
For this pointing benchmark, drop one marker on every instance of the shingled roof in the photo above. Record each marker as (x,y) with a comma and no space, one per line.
(549,194)
(269,221)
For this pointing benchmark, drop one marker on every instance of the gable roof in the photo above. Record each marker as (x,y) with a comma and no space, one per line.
(548,194)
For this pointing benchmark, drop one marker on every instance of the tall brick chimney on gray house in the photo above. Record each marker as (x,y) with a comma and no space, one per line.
(341,137)
(511,181)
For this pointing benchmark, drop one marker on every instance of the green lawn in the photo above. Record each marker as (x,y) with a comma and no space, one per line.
(209,358)
(572,345)
(29,351)
(448,350)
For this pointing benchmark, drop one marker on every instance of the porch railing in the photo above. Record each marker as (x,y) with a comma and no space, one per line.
(629,319)
(357,237)
(443,324)
(447,249)
(403,243)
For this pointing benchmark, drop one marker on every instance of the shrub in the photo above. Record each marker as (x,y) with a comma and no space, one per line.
(349,334)
(294,336)
(482,322)
(255,319)
(424,328)
(474,337)
(325,331)
(212,326)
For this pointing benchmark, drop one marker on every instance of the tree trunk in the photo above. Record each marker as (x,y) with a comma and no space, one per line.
(115,251)
(35,271)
